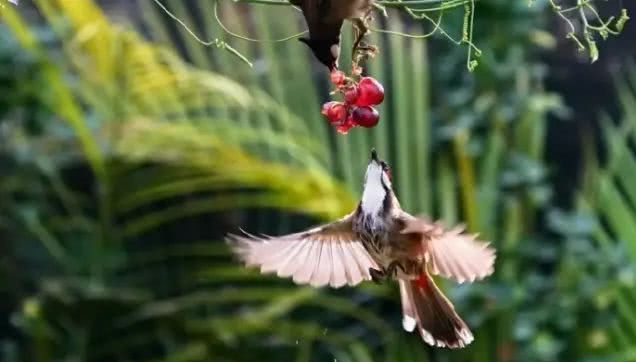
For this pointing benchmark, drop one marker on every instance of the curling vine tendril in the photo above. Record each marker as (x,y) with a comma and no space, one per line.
(584,22)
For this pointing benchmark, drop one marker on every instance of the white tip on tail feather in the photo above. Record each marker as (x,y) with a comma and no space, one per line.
(409,323)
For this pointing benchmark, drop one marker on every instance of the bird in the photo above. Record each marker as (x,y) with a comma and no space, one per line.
(324,21)
(379,241)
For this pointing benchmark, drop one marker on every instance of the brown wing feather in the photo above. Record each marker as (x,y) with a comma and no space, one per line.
(326,255)
(453,253)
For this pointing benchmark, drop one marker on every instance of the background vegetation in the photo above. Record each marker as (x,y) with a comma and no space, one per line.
(127,150)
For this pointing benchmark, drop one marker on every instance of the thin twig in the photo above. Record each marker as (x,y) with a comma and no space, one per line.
(227,30)
(216,41)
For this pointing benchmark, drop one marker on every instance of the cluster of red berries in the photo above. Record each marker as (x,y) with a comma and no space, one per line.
(359,99)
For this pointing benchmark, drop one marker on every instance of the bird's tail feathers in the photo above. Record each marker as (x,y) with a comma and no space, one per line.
(426,308)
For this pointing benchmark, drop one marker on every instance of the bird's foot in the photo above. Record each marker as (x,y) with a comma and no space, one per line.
(392,270)
(378,276)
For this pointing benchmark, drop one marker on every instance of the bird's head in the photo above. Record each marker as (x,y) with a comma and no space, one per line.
(326,51)
(378,188)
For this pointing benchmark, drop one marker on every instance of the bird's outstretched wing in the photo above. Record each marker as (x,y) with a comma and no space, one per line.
(326,255)
(452,253)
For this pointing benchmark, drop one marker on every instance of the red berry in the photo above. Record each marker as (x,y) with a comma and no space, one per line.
(351,95)
(338,77)
(338,113)
(365,116)
(327,107)
(345,126)
(334,111)
(371,92)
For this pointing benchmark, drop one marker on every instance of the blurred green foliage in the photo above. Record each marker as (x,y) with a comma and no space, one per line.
(608,196)
(124,160)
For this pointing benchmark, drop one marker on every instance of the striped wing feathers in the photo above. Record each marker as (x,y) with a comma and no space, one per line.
(326,255)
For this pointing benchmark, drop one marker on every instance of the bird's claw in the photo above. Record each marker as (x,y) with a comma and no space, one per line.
(392,270)
(378,276)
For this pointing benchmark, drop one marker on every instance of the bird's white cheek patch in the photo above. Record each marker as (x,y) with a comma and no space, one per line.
(387,180)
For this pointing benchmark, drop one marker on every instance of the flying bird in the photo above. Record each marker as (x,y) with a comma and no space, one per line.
(378,241)
(325,18)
